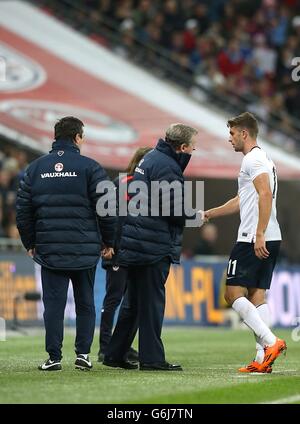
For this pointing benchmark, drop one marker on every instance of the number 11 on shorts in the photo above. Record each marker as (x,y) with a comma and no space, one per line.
(232,265)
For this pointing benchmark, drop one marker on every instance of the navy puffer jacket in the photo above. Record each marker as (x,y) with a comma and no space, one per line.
(56,209)
(148,239)
(121,183)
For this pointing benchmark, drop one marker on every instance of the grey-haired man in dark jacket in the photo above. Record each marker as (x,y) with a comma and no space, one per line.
(149,244)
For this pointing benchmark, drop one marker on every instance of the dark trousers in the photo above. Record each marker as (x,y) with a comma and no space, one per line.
(116,283)
(145,309)
(55,288)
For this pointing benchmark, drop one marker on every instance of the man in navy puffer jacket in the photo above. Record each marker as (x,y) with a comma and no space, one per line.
(149,244)
(59,227)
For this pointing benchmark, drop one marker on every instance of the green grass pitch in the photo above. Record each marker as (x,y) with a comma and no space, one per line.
(210,358)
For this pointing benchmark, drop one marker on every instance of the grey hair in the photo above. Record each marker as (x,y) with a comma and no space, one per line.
(178,134)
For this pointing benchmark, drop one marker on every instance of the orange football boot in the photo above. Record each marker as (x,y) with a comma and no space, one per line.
(256,367)
(272,352)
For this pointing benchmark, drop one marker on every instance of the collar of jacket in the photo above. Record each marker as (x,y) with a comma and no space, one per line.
(181,158)
(64,144)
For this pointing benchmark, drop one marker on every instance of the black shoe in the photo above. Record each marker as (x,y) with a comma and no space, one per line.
(132,355)
(83,364)
(127,365)
(100,356)
(160,366)
(50,365)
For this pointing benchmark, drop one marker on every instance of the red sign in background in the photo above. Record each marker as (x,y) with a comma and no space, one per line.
(116,122)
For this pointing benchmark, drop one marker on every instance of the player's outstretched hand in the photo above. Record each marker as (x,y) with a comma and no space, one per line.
(205,216)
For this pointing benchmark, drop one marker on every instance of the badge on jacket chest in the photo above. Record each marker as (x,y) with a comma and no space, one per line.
(59,167)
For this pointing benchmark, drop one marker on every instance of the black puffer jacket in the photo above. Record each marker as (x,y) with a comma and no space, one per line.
(56,209)
(148,239)
(121,184)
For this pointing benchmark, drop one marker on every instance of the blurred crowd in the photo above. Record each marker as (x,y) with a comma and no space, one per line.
(238,48)
(12,164)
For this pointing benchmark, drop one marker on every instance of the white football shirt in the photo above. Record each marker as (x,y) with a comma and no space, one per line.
(254,163)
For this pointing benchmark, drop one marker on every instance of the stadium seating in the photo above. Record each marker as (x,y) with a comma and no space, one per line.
(241,51)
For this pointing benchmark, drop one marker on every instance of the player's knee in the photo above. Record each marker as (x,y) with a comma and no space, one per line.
(228,298)
(257,297)
(233,293)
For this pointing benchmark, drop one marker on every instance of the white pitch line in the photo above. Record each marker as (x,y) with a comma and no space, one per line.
(290,399)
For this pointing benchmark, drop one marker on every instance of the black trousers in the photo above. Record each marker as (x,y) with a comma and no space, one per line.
(116,283)
(55,288)
(145,309)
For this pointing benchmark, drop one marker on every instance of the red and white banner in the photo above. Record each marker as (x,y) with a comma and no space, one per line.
(52,71)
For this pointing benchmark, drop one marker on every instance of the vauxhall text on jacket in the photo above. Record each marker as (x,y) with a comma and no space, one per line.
(56,209)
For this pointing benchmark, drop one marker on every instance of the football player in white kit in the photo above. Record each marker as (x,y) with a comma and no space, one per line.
(254,255)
